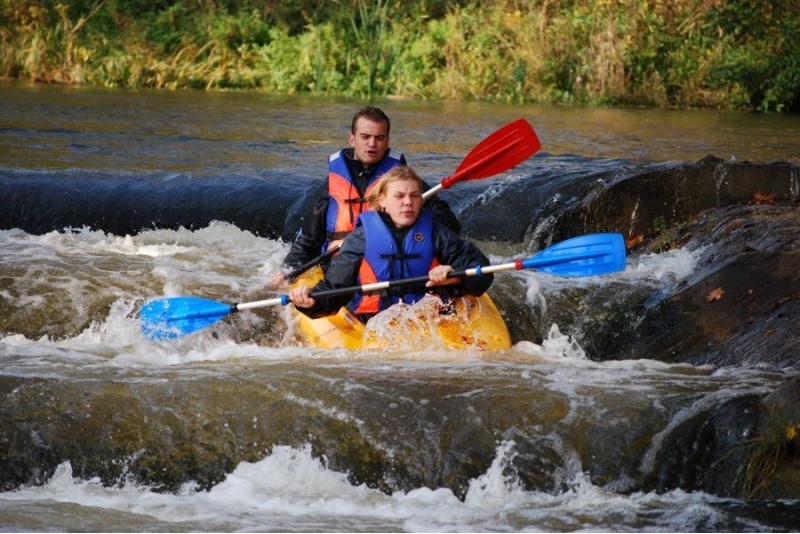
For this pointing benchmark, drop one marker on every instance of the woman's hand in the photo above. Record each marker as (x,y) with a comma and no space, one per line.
(300,297)
(438,276)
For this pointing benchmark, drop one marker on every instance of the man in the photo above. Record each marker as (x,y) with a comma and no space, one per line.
(352,172)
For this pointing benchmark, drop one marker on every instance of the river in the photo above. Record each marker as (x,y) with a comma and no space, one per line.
(114,197)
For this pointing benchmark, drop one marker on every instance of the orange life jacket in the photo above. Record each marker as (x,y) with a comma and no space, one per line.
(345,203)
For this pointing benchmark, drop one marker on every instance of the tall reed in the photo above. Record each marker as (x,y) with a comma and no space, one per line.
(704,53)
(372,53)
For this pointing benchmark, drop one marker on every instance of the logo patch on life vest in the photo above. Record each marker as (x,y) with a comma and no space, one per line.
(418,237)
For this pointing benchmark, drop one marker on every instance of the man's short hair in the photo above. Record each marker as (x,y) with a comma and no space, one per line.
(372,113)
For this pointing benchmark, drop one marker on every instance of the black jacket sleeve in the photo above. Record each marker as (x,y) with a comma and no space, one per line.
(343,272)
(442,212)
(313,234)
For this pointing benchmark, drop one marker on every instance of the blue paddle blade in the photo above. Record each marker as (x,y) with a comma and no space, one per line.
(173,317)
(586,255)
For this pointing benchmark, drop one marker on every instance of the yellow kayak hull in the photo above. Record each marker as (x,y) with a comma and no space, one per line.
(472,323)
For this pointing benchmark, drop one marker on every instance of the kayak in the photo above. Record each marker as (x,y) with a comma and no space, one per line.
(467,323)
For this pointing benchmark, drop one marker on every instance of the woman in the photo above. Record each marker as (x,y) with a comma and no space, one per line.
(397,239)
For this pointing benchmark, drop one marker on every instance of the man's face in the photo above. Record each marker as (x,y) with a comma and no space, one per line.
(370,142)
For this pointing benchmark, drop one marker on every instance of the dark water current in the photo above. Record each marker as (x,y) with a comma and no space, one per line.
(110,198)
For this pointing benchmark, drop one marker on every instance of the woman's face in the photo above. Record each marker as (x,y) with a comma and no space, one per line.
(403,202)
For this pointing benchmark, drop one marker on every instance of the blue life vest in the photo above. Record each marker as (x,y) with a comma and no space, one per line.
(384,261)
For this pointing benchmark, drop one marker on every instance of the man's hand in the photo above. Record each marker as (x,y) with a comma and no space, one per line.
(277,279)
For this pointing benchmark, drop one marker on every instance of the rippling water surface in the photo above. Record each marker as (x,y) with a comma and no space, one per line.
(73,361)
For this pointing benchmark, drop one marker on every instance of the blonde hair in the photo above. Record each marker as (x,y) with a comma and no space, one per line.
(395,174)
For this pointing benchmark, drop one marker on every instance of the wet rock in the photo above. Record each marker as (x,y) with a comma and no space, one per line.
(708,451)
(742,304)
(42,204)
(740,307)
(774,466)
(642,200)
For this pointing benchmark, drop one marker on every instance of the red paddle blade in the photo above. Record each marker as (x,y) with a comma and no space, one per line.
(506,148)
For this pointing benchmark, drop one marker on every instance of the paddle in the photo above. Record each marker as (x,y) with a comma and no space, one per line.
(588,255)
(506,148)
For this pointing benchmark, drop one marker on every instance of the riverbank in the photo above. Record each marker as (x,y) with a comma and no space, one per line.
(688,53)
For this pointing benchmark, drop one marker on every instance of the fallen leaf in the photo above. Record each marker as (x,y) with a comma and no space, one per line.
(634,240)
(715,294)
(763,198)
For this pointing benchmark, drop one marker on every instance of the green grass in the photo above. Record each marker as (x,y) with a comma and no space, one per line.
(738,54)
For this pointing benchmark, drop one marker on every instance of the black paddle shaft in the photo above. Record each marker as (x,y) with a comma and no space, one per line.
(379,286)
(316,261)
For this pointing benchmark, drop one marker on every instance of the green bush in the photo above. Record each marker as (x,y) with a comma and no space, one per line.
(738,54)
